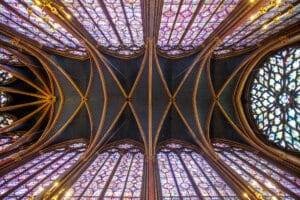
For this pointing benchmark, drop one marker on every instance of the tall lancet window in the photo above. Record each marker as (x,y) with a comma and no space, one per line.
(264,178)
(116,173)
(185,174)
(34,176)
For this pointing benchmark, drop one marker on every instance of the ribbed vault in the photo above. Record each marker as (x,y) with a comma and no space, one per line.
(141,74)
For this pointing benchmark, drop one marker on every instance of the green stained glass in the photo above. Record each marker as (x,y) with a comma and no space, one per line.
(274,98)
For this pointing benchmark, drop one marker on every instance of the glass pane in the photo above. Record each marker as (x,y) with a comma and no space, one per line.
(114,24)
(115,173)
(268,180)
(34,176)
(178,33)
(274,98)
(184,174)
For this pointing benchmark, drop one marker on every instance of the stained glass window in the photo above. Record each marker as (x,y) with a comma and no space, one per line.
(114,24)
(27,18)
(5,77)
(4,99)
(7,139)
(270,19)
(185,174)
(33,177)
(6,119)
(263,177)
(8,58)
(116,173)
(185,25)
(275,98)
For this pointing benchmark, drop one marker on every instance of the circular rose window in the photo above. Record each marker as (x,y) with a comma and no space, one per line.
(275,98)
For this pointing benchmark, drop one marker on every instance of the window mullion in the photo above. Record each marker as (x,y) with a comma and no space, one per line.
(26,169)
(127,175)
(32,175)
(217,191)
(41,181)
(174,177)
(110,177)
(246,172)
(94,176)
(190,177)
(267,175)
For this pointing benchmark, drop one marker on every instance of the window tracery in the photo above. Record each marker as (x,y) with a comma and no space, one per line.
(184,173)
(185,25)
(34,176)
(114,24)
(4,99)
(266,179)
(261,25)
(275,98)
(115,173)
(27,18)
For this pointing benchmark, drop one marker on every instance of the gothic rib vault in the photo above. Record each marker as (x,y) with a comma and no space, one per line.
(146,89)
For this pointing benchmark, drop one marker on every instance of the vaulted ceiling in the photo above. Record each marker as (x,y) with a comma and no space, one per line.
(145,70)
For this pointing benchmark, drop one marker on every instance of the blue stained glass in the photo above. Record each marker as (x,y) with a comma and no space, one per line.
(274,98)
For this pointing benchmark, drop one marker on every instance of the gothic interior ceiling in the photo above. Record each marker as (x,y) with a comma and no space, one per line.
(102,71)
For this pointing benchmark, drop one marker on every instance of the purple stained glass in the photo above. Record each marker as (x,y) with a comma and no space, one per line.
(38,26)
(180,32)
(117,184)
(125,146)
(36,175)
(7,140)
(119,170)
(7,57)
(167,180)
(135,177)
(260,26)
(263,176)
(115,25)
(181,169)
